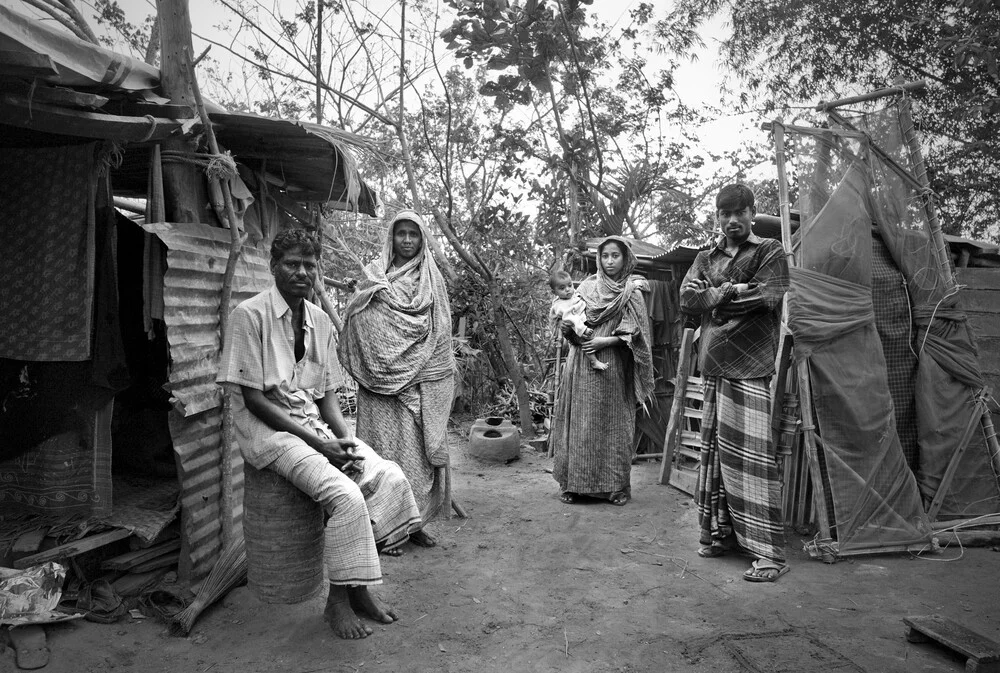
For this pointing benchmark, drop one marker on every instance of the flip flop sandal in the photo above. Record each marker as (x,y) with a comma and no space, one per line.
(391,551)
(711,551)
(569,497)
(618,498)
(422,539)
(29,645)
(761,565)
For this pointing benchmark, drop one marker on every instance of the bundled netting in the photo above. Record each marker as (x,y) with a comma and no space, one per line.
(923,372)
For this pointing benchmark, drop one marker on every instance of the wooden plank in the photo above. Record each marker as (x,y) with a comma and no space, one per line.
(979,279)
(134,558)
(968,537)
(72,548)
(983,653)
(168,561)
(23,64)
(68,97)
(18,110)
(985,324)
(29,542)
(689,453)
(684,480)
(980,301)
(675,421)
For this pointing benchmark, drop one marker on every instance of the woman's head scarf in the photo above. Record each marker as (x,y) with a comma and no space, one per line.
(397,324)
(608,296)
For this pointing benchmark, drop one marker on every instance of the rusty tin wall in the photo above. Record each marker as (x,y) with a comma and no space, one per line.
(196,262)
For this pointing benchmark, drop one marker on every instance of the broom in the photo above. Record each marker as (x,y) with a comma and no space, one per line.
(229,571)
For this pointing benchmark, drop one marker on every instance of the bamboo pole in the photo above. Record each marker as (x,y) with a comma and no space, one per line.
(227,504)
(802,369)
(927,196)
(895,90)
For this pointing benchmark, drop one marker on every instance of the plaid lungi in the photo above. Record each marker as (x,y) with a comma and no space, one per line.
(739,490)
(374,506)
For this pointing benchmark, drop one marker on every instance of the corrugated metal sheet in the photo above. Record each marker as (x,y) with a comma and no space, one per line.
(312,162)
(196,262)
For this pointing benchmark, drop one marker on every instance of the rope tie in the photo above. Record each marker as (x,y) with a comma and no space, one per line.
(216,166)
(151,130)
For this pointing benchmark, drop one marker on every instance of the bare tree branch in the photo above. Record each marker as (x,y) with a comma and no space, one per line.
(62,18)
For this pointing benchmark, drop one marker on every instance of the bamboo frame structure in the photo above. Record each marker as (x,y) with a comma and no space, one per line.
(802,368)
(918,180)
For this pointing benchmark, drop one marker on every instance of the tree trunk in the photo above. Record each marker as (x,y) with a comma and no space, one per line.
(182,183)
(183,190)
(513,366)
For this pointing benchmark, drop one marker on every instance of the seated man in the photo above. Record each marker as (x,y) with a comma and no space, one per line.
(278,359)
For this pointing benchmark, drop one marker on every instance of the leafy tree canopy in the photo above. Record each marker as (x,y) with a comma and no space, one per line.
(790,51)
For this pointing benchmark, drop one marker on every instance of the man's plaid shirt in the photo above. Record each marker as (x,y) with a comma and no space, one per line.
(739,334)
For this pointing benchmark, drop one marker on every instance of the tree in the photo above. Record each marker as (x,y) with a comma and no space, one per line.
(547,58)
(788,51)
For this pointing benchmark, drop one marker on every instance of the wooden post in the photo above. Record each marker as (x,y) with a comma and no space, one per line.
(555,390)
(226,501)
(805,389)
(183,184)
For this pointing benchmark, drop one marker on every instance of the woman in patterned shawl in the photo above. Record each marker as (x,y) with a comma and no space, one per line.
(594,418)
(397,344)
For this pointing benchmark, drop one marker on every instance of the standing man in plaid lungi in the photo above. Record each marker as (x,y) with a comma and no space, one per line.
(737,288)
(279,361)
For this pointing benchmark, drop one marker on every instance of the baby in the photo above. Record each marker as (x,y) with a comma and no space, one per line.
(569,306)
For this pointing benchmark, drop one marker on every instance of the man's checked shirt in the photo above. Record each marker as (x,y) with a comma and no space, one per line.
(739,333)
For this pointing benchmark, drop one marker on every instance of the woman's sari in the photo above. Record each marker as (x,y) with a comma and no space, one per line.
(397,345)
(594,418)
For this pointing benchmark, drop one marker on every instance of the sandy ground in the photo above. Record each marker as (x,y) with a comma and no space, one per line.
(530,584)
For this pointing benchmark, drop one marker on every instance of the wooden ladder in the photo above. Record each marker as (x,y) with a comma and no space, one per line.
(682,442)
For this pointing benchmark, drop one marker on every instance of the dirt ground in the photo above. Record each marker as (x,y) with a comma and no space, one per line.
(528,583)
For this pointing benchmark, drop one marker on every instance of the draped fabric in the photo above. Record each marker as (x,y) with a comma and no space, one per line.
(739,490)
(873,493)
(949,388)
(397,324)
(593,424)
(396,343)
(372,507)
(949,405)
(610,298)
(48,244)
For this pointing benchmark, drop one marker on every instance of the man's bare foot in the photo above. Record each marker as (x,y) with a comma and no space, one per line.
(366,603)
(340,615)
(598,365)
(422,538)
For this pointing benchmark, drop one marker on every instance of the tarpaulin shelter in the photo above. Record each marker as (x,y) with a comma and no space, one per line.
(111,315)
(865,213)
